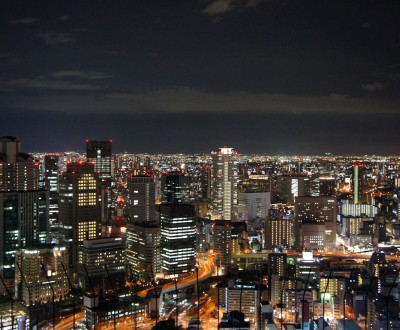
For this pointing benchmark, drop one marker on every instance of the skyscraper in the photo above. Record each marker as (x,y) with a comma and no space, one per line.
(178,238)
(79,215)
(141,198)
(51,184)
(175,188)
(23,208)
(222,244)
(143,228)
(100,153)
(222,183)
(316,210)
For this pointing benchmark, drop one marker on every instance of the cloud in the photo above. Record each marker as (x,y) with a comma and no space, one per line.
(44,83)
(56,38)
(219,7)
(184,100)
(24,21)
(366,25)
(64,18)
(80,74)
(373,87)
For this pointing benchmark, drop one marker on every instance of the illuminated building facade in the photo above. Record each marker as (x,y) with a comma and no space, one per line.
(253,205)
(222,244)
(100,153)
(222,183)
(23,208)
(51,174)
(279,231)
(245,297)
(178,239)
(316,210)
(141,199)
(104,262)
(143,253)
(175,188)
(80,207)
(32,286)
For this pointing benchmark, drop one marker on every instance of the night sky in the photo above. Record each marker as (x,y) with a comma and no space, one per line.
(271,77)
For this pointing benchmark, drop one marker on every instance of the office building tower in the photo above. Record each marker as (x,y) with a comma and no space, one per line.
(222,184)
(175,188)
(316,210)
(178,239)
(23,208)
(143,252)
(105,265)
(141,199)
(357,181)
(254,205)
(100,153)
(79,207)
(279,230)
(18,171)
(244,296)
(51,175)
(292,186)
(222,244)
(32,286)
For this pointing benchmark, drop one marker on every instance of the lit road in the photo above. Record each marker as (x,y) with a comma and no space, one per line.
(206,270)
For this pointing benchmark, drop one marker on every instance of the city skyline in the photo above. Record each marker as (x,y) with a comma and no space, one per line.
(271,77)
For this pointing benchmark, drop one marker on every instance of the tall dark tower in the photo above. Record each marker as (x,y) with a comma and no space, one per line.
(175,188)
(79,215)
(51,184)
(23,207)
(100,153)
(178,239)
(357,181)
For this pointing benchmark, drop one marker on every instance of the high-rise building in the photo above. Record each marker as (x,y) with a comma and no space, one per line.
(104,262)
(23,208)
(175,188)
(222,184)
(51,175)
(143,253)
(279,230)
(317,210)
(141,199)
(143,228)
(32,285)
(80,205)
(222,244)
(254,205)
(244,296)
(18,171)
(100,153)
(292,186)
(178,239)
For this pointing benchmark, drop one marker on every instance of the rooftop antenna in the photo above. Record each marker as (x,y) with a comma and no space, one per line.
(198,297)
(29,293)
(283,288)
(91,286)
(387,299)
(323,301)
(302,305)
(53,294)
(344,299)
(135,291)
(12,301)
(71,289)
(176,298)
(113,288)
